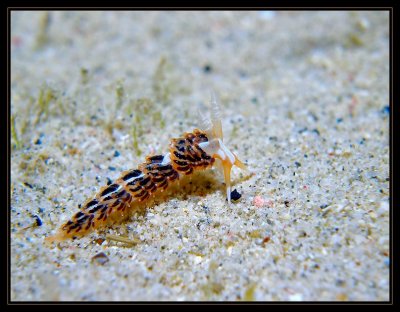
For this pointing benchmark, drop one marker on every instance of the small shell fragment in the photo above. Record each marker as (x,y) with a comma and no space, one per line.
(100,259)
(235,195)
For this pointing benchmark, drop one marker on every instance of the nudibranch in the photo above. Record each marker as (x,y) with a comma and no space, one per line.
(196,150)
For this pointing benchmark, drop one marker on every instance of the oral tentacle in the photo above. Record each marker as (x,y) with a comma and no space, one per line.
(239,163)
(227,177)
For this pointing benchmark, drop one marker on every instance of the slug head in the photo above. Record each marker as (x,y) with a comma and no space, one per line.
(216,148)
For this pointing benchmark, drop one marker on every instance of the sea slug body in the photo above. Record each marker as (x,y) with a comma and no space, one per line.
(196,150)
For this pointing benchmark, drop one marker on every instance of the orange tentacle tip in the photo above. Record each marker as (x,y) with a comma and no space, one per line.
(193,151)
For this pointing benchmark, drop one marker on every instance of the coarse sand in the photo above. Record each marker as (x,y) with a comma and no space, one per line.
(305,103)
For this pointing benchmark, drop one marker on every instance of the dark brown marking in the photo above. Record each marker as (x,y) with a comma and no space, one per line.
(83,219)
(163,184)
(193,153)
(147,195)
(205,156)
(140,194)
(134,181)
(180,156)
(190,158)
(181,168)
(156,159)
(169,173)
(151,188)
(164,167)
(74,226)
(174,176)
(158,179)
(138,188)
(110,189)
(132,174)
(180,163)
(145,181)
(122,193)
(92,203)
(96,208)
(203,136)
(116,203)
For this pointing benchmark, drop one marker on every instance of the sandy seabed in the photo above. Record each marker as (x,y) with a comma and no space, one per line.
(305,103)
